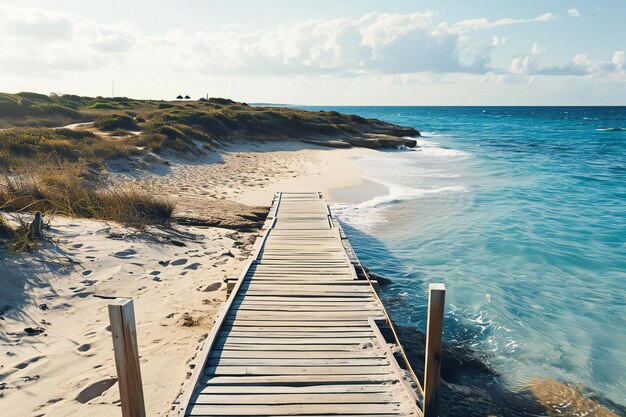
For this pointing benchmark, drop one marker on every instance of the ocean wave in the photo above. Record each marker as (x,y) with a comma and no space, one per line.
(612,129)
(434,149)
(398,194)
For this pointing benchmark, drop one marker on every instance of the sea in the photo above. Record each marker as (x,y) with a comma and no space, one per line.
(521,213)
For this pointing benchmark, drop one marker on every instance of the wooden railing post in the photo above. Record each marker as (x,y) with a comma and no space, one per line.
(432,367)
(122,318)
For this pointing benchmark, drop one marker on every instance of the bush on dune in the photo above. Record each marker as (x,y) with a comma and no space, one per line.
(41,145)
(39,109)
(115,121)
(104,106)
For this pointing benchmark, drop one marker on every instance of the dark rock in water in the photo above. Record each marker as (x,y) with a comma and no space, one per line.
(470,388)
(458,363)
(381,142)
(465,401)
(43,307)
(328,143)
(560,399)
(377,277)
(402,131)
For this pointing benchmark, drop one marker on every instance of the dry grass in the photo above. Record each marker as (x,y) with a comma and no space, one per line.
(36,146)
(65,193)
(16,238)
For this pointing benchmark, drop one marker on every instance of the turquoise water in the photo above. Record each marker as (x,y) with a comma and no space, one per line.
(521,212)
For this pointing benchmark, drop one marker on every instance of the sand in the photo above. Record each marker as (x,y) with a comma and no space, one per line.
(251,173)
(64,366)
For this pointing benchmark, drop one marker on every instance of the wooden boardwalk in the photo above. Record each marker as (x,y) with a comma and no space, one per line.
(298,334)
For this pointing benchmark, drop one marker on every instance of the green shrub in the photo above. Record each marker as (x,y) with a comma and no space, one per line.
(34,96)
(104,106)
(153,141)
(170,132)
(53,108)
(115,121)
(222,101)
(41,145)
(165,106)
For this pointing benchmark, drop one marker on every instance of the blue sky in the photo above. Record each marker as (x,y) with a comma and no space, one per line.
(323,52)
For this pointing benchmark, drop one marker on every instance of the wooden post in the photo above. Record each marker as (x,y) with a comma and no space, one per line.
(432,367)
(122,318)
(36,227)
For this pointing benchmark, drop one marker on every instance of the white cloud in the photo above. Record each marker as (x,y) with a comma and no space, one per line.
(407,46)
(573,12)
(536,49)
(496,41)
(46,42)
(468,25)
(580,65)
(618,60)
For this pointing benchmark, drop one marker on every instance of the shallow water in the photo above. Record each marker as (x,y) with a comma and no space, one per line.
(521,212)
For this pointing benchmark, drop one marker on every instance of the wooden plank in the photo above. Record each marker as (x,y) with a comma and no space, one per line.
(289,347)
(294,409)
(297,354)
(306,389)
(299,380)
(295,323)
(298,398)
(296,370)
(297,361)
(295,340)
(307,334)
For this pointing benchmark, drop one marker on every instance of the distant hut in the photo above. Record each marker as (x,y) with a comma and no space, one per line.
(179,97)
(187,98)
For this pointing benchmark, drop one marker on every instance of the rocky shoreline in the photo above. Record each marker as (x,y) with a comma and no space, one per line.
(472,388)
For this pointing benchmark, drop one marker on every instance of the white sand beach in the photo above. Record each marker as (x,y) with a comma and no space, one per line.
(63,364)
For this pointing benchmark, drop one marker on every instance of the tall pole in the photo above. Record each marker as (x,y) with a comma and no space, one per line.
(432,366)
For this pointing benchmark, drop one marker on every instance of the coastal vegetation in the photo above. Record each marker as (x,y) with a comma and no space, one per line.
(63,170)
(207,120)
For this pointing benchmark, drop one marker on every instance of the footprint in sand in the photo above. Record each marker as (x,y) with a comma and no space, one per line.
(23,365)
(88,282)
(77,245)
(125,254)
(84,347)
(213,287)
(87,272)
(95,390)
(181,261)
(194,266)
(155,273)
